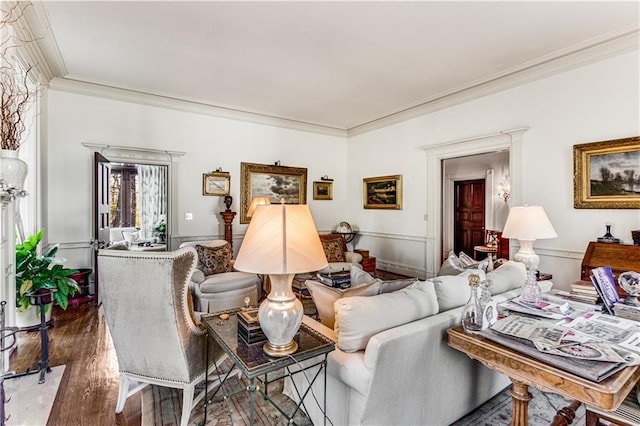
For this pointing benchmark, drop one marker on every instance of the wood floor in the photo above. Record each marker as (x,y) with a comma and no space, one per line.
(88,391)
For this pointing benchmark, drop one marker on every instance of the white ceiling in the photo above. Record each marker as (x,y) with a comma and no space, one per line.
(335,64)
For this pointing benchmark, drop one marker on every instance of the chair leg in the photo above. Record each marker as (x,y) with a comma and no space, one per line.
(187,404)
(123,392)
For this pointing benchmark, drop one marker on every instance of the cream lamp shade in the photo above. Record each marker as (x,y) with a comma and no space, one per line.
(255,202)
(282,240)
(527,224)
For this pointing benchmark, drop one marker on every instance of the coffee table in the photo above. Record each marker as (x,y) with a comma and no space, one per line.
(524,371)
(254,364)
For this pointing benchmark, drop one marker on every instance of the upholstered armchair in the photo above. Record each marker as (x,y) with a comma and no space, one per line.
(339,258)
(145,296)
(216,286)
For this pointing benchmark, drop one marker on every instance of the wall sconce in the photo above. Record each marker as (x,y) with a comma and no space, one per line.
(503,192)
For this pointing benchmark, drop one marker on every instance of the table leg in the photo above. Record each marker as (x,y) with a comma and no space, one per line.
(252,400)
(566,415)
(521,397)
(206,376)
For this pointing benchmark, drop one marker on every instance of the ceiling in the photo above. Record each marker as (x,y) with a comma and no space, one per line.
(334,64)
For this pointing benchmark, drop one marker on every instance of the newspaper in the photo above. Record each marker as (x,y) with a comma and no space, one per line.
(546,308)
(547,337)
(614,330)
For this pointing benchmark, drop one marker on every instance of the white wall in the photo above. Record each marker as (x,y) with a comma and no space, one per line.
(209,143)
(593,103)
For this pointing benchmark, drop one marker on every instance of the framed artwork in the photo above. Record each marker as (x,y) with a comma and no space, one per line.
(216,183)
(322,190)
(272,181)
(384,192)
(606,175)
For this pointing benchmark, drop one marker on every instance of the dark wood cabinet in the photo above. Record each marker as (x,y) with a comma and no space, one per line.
(621,258)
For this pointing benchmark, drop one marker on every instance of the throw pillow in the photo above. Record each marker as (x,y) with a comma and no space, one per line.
(333,249)
(395,285)
(324,297)
(359,276)
(451,265)
(131,236)
(453,291)
(508,276)
(360,318)
(469,263)
(214,260)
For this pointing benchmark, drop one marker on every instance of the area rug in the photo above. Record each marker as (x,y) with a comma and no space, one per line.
(29,402)
(542,408)
(162,406)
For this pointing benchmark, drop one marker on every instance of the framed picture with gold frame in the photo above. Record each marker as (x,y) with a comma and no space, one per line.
(606,175)
(322,190)
(383,192)
(272,181)
(216,183)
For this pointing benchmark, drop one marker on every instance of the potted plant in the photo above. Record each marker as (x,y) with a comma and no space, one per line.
(161,230)
(41,273)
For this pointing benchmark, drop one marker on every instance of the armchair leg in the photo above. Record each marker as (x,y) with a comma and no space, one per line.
(187,404)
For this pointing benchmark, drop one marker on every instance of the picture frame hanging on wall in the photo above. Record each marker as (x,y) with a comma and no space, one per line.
(216,183)
(606,174)
(322,190)
(383,192)
(272,181)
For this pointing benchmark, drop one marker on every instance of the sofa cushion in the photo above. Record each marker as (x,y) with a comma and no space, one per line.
(131,236)
(508,276)
(453,290)
(227,281)
(395,285)
(360,318)
(451,265)
(333,249)
(214,260)
(470,263)
(359,276)
(324,297)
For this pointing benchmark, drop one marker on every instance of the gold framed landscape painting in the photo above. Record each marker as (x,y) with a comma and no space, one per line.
(322,190)
(383,192)
(216,183)
(274,182)
(606,175)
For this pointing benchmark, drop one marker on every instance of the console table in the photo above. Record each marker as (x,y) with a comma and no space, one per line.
(254,364)
(524,371)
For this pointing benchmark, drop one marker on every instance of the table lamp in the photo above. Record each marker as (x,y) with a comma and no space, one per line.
(281,241)
(527,224)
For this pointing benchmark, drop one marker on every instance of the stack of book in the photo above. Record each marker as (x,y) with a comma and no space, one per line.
(336,279)
(584,291)
(249,327)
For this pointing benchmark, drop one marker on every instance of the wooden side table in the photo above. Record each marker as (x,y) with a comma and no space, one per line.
(368,262)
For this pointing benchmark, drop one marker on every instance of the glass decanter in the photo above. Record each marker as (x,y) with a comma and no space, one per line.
(472,313)
(531,291)
(485,293)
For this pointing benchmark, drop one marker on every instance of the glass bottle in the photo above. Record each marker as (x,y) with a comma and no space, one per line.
(472,313)
(531,291)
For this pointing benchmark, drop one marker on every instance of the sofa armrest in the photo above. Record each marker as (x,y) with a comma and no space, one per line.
(353,257)
(197,276)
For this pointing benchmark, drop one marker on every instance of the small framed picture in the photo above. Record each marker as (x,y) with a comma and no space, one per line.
(322,190)
(383,192)
(216,183)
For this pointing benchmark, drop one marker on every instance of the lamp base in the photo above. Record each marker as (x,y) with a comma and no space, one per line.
(278,351)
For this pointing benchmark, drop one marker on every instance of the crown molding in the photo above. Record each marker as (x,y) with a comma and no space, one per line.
(592,51)
(193,106)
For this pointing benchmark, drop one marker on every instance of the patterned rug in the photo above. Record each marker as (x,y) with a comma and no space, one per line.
(542,408)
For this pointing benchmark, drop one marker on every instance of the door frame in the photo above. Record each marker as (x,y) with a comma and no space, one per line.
(507,139)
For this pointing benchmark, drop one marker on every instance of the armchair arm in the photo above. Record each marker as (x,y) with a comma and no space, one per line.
(353,257)
(197,276)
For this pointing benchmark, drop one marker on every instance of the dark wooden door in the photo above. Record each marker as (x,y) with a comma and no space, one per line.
(469,211)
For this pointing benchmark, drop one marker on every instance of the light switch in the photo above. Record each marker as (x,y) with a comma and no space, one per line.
(188,216)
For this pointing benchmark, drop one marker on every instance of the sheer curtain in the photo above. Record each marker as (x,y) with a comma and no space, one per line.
(153,197)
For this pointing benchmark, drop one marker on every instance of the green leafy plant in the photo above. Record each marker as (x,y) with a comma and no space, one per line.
(34,272)
(161,227)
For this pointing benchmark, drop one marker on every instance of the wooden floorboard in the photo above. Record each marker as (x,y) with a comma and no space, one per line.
(87,395)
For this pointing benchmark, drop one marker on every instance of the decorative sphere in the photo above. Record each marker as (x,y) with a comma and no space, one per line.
(630,282)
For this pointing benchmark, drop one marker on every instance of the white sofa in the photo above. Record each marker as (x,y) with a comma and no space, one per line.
(406,374)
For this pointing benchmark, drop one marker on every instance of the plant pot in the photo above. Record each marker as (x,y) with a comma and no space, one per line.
(30,319)
(12,169)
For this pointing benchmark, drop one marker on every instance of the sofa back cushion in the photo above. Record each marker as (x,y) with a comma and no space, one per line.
(324,297)
(360,318)
(395,285)
(214,260)
(453,290)
(508,276)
